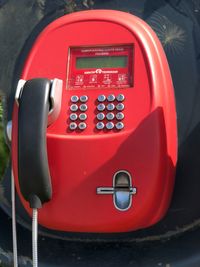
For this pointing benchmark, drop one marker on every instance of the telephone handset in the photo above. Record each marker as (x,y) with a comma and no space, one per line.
(36,99)
(106,161)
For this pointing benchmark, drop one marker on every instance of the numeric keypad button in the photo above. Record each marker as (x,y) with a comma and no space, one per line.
(101,98)
(119,125)
(120,116)
(110,116)
(100,125)
(72,126)
(109,125)
(74,99)
(101,107)
(111,98)
(83,107)
(120,97)
(82,125)
(73,107)
(84,98)
(73,116)
(100,116)
(82,116)
(120,107)
(110,106)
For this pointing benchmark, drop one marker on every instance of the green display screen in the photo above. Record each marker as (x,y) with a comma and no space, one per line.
(101,62)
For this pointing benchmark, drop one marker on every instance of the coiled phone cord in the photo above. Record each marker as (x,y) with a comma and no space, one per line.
(14,231)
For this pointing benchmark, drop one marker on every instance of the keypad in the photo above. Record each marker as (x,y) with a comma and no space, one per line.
(109,113)
(110,116)
(78,115)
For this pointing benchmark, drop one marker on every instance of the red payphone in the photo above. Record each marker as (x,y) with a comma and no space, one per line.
(98,144)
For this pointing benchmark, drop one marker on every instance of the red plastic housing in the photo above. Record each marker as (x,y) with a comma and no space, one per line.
(82,161)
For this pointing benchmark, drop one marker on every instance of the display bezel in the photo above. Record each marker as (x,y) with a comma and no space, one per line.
(96,51)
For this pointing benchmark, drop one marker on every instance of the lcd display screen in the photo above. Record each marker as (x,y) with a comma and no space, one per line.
(101,62)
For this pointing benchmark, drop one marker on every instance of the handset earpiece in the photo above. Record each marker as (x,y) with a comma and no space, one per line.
(37,98)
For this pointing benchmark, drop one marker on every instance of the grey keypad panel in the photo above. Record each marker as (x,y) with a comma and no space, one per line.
(109,113)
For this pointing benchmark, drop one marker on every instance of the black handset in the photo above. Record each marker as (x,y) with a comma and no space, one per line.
(35,103)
